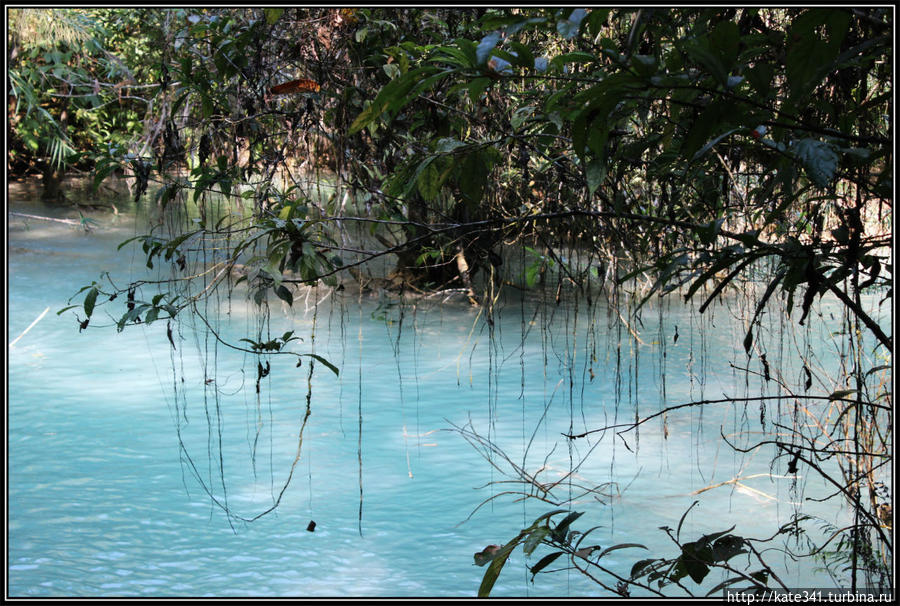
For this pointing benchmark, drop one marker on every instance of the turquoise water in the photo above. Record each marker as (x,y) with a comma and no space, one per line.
(114,440)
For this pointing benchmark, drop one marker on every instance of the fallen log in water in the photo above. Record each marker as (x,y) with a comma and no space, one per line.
(54,219)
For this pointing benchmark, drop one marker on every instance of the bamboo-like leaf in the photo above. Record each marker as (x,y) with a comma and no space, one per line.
(493,571)
(683,516)
(549,514)
(89,300)
(392,96)
(568,28)
(327,364)
(534,539)
(713,142)
(841,393)
(642,567)
(620,546)
(721,285)
(725,584)
(544,562)
(559,533)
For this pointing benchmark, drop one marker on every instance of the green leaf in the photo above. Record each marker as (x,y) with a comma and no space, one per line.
(429,181)
(597,19)
(841,393)
(473,172)
(810,55)
(644,65)
(468,49)
(760,77)
(283,293)
(531,274)
(523,55)
(493,571)
(724,40)
(694,558)
(534,539)
(573,57)
(101,171)
(727,547)
(595,171)
(712,143)
(568,28)
(394,95)
(476,88)
(818,158)
(544,562)
(89,301)
(273,14)
(549,514)
(327,364)
(620,546)
(642,567)
(711,120)
(559,533)
(152,315)
(709,60)
(683,517)
(484,48)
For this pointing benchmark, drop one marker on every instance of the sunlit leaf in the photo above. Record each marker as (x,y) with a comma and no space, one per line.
(819,160)
(534,539)
(568,28)
(487,44)
(273,14)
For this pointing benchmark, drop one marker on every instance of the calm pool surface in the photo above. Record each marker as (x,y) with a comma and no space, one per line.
(115,441)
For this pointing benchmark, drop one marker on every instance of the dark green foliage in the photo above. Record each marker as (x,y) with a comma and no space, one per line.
(543,531)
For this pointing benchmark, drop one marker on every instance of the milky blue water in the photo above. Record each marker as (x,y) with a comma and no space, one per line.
(115,440)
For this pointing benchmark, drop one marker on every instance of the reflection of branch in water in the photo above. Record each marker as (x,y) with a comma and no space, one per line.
(738,482)
(626,427)
(532,488)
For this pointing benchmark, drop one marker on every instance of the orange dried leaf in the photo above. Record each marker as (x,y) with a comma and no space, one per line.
(303,85)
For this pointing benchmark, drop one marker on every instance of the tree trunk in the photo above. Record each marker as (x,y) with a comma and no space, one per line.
(52,179)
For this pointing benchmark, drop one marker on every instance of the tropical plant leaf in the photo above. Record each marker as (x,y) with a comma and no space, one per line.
(89,300)
(484,48)
(544,562)
(493,571)
(818,158)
